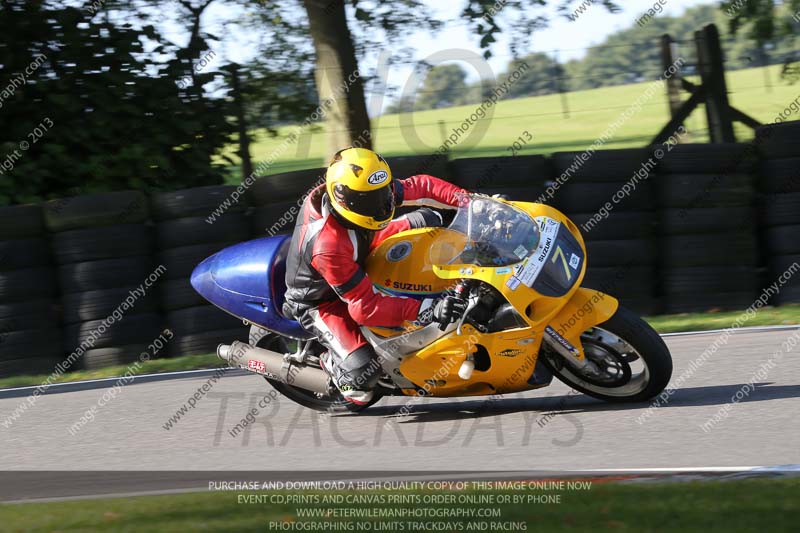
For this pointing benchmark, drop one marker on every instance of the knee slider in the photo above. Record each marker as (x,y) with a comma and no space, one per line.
(362,367)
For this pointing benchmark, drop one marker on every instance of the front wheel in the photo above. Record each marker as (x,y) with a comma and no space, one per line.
(631,361)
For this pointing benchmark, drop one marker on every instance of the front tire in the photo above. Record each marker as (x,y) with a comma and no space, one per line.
(635,363)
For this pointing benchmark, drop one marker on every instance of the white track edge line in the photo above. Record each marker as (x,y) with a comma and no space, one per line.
(115,378)
(750,329)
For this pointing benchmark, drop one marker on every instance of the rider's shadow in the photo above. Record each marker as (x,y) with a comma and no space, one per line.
(443,410)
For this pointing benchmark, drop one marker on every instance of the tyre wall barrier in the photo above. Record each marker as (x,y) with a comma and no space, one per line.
(103,250)
(191,225)
(708,227)
(621,246)
(779,205)
(30,330)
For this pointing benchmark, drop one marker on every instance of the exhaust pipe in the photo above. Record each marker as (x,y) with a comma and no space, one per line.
(274,366)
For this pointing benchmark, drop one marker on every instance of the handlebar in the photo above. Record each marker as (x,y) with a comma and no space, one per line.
(462,289)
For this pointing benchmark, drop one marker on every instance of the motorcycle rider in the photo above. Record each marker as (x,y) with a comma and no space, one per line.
(329,292)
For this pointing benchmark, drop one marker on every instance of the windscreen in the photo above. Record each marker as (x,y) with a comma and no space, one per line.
(486,232)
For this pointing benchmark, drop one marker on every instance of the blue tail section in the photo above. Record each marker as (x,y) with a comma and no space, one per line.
(248,280)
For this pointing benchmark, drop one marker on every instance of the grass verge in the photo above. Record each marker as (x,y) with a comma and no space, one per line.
(766,316)
(153,366)
(732,506)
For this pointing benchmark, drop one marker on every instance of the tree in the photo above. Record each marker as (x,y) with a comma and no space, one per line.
(543,76)
(339,83)
(97,112)
(445,86)
(632,54)
(762,19)
(484,18)
(267,98)
(274,87)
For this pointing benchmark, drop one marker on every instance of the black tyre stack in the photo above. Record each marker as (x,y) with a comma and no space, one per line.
(708,228)
(188,230)
(103,249)
(520,178)
(621,246)
(277,200)
(779,183)
(410,165)
(30,334)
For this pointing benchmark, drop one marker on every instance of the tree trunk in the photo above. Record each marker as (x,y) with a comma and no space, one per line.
(241,123)
(339,85)
(194,40)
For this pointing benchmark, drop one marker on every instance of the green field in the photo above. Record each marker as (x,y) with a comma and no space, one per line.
(731,506)
(590,114)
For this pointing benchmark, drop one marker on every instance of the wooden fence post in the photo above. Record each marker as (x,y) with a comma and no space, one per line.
(674,82)
(712,72)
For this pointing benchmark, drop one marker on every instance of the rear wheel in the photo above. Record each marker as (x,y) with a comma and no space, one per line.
(330,403)
(631,361)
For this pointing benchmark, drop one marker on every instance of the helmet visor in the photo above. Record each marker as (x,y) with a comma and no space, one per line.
(378,204)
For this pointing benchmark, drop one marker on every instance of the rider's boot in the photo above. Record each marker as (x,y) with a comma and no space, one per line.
(355,375)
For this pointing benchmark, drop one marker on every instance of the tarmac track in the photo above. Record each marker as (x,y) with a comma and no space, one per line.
(552,431)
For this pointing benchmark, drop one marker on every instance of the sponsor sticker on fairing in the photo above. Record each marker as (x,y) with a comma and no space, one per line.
(574,261)
(399,251)
(531,270)
(255,365)
(562,341)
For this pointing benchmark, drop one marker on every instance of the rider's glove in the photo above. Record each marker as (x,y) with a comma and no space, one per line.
(442,310)
(425,218)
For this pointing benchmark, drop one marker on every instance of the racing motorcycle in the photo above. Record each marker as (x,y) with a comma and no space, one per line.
(520,267)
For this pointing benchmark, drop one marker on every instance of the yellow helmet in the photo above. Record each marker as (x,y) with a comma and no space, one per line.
(359,185)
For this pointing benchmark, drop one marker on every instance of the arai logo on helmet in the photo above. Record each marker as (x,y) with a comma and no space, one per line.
(378,177)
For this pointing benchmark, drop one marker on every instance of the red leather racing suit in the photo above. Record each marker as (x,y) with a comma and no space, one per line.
(328,291)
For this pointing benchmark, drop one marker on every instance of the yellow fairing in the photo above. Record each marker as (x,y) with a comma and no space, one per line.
(585,309)
(403,265)
(512,357)
(504,360)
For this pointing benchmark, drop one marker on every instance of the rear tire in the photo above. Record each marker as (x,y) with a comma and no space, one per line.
(648,347)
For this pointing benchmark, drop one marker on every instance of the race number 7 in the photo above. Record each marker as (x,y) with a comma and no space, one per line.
(560,253)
